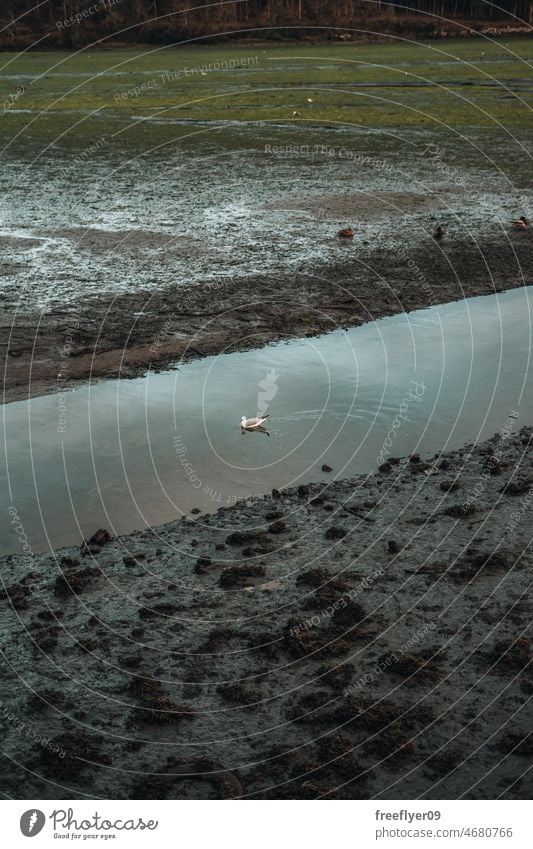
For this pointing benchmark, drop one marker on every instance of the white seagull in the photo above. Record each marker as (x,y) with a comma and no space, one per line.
(257,421)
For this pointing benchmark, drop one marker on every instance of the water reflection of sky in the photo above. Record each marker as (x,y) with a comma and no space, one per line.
(117,463)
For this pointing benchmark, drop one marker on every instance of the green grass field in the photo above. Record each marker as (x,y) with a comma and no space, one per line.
(71,99)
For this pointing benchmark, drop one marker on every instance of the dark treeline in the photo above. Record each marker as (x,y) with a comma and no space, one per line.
(73,23)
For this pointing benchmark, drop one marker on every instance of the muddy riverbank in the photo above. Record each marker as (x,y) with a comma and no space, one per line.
(127,334)
(361,639)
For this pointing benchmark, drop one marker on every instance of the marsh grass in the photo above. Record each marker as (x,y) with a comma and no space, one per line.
(70,99)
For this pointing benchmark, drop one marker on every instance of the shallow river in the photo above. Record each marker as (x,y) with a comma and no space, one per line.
(124,454)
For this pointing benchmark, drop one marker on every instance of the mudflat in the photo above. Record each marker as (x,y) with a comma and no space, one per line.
(357,639)
(111,335)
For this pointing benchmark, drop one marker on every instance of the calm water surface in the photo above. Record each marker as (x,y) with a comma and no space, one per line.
(125,454)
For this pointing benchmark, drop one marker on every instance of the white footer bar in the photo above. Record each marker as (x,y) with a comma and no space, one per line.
(268,824)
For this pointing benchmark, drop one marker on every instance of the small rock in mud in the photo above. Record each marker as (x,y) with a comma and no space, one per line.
(68,754)
(349,615)
(326,468)
(202,565)
(449,486)
(309,707)
(50,615)
(69,562)
(517,744)
(156,706)
(265,643)
(477,565)
(130,661)
(339,676)
(303,490)
(162,609)
(385,468)
(17,594)
(95,543)
(238,576)
(273,515)
(419,468)
(442,763)
(237,693)
(218,638)
(74,582)
(327,642)
(493,466)
(257,550)
(242,537)
(414,458)
(128,560)
(277,527)
(424,664)
(519,487)
(43,699)
(199,770)
(326,595)
(514,654)
(314,577)
(460,511)
(392,744)
(393,547)
(335,532)
(46,638)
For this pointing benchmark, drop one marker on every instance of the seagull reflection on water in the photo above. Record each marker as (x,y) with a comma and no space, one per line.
(256,429)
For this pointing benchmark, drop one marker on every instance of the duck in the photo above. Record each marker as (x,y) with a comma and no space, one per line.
(521,224)
(438,233)
(346,233)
